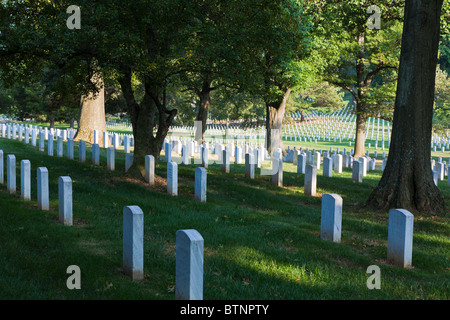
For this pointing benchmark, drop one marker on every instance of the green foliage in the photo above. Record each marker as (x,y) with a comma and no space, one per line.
(445,18)
(258,48)
(444,53)
(323,97)
(361,60)
(114,101)
(441,121)
(184,102)
(280,42)
(22,101)
(236,106)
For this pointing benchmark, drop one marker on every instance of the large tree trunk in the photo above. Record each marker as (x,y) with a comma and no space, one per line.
(92,115)
(145,117)
(145,143)
(274,123)
(360,135)
(362,89)
(302,116)
(407,180)
(204,104)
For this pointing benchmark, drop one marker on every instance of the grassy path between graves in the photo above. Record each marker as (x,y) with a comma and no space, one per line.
(261,241)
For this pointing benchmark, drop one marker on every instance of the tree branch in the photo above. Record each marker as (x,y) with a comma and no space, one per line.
(127,90)
(196,90)
(343,86)
(372,74)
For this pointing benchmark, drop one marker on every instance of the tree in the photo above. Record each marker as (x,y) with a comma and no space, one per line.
(232,105)
(320,96)
(60,102)
(278,48)
(444,53)
(352,56)
(92,113)
(234,40)
(211,63)
(22,101)
(34,41)
(142,39)
(152,42)
(149,45)
(407,179)
(441,121)
(184,102)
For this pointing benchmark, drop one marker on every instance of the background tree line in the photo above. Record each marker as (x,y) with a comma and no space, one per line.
(173,61)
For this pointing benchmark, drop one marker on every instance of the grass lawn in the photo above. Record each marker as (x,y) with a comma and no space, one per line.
(261,241)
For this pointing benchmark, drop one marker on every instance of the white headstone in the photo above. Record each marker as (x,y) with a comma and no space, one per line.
(310,180)
(96,136)
(42,188)
(11,173)
(50,145)
(133,242)
(110,159)
(249,166)
(277,172)
(200,184)
(65,200)
(337,163)
(150,169)
(105,139)
(225,161)
(168,152)
(41,141)
(301,163)
(331,217)
(96,154)
(327,168)
(189,265)
(204,157)
(25,180)
(172,178)
(400,237)
(82,151)
(357,171)
(70,149)
(129,158)
(363,161)
(59,146)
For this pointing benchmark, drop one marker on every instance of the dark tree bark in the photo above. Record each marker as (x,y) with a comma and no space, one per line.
(92,115)
(204,104)
(362,89)
(274,123)
(146,116)
(407,180)
(364,78)
(360,135)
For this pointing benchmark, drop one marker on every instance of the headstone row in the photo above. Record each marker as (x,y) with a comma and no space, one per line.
(400,229)
(189,255)
(64,186)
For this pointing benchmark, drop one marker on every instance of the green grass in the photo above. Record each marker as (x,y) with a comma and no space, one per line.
(261,241)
